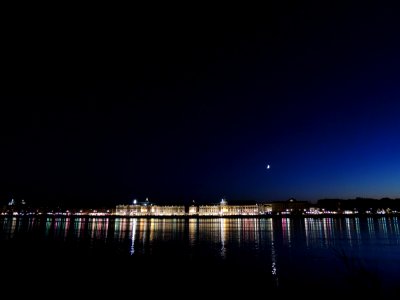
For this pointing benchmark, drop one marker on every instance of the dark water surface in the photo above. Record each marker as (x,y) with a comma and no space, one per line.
(316,257)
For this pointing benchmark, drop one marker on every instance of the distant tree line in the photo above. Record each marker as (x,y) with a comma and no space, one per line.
(360,204)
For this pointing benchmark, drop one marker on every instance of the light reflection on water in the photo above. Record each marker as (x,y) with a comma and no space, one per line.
(283,247)
(223,232)
(314,232)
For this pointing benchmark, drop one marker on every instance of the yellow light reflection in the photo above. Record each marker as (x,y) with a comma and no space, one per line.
(133,235)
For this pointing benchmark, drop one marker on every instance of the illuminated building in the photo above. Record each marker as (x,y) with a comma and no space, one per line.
(221,209)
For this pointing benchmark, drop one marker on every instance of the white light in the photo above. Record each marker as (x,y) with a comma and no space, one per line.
(268,166)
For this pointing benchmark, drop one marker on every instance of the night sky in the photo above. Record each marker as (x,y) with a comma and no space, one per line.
(99,109)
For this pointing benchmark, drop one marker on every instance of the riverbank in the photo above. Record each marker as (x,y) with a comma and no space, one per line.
(267,216)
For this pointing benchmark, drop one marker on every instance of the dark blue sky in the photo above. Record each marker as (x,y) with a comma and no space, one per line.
(174,107)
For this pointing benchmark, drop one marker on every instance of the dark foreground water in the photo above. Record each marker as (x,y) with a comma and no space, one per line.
(183,257)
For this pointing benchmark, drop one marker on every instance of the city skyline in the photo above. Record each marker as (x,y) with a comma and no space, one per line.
(298,102)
